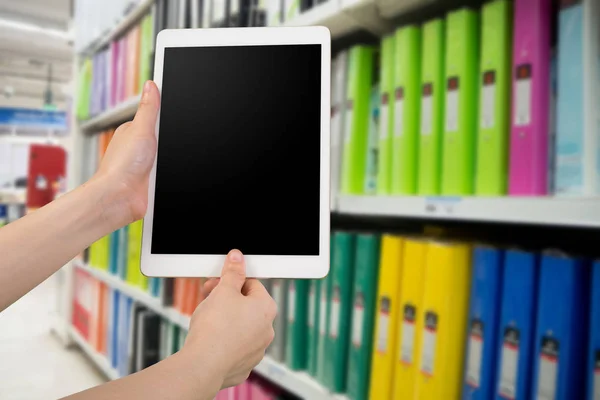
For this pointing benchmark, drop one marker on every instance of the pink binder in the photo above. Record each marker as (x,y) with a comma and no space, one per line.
(531,98)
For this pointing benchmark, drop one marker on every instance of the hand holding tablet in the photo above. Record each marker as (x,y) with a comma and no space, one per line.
(243,153)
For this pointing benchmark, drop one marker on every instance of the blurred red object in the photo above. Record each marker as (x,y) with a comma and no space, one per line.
(47,167)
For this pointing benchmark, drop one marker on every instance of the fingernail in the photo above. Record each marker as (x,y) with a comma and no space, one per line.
(235,256)
(146,91)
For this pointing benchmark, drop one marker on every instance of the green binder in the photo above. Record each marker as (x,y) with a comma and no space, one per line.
(458,154)
(432,108)
(314,293)
(373,143)
(297,307)
(364,298)
(356,115)
(146,43)
(340,313)
(491,172)
(324,309)
(407,82)
(84,88)
(386,115)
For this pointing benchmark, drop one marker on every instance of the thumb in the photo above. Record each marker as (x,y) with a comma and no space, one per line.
(234,270)
(145,117)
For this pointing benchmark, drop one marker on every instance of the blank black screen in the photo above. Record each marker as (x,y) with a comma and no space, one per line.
(239,151)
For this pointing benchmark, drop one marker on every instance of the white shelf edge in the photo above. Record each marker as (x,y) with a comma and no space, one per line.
(98,359)
(126,21)
(548,211)
(121,112)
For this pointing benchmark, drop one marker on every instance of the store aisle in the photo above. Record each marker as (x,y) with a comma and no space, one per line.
(33,362)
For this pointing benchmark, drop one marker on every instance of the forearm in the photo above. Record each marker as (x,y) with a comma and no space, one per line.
(179,377)
(37,245)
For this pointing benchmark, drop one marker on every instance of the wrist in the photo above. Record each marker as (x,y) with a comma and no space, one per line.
(111,202)
(204,374)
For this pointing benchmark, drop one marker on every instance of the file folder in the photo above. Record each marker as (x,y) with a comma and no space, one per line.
(372,163)
(314,292)
(296,329)
(460,110)
(386,115)
(114,251)
(491,172)
(410,318)
(577,141)
(516,329)
(340,312)
(364,299)
(530,98)
(114,332)
(484,317)
(445,309)
(561,328)
(339,77)
(324,310)
(432,108)
(387,311)
(407,79)
(277,348)
(593,374)
(356,118)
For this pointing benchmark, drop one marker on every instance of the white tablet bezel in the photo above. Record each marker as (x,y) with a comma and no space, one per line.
(260,266)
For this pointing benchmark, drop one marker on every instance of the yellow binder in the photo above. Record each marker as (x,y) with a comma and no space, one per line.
(410,319)
(445,304)
(384,341)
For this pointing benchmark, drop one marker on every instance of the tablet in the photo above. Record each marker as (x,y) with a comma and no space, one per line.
(243,153)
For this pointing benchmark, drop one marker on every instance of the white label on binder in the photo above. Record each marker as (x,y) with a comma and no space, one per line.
(452,105)
(407,338)
(323,309)
(334,317)
(383,324)
(523,95)
(312,307)
(427,110)
(357,325)
(548,372)
(475,352)
(348,113)
(336,126)
(291,301)
(488,100)
(429,344)
(509,364)
(384,117)
(399,113)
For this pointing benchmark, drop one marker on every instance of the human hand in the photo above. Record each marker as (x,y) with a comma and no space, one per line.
(125,168)
(233,326)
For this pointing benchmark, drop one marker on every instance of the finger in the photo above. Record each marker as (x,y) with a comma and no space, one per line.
(254,287)
(145,117)
(209,286)
(234,270)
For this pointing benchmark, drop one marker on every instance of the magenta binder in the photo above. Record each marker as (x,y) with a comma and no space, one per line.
(530,99)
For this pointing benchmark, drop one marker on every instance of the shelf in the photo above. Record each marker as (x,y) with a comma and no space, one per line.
(121,27)
(111,117)
(98,359)
(583,212)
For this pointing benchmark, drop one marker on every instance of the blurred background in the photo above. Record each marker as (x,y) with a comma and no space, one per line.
(465,204)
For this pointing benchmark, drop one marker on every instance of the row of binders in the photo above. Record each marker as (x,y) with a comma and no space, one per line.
(411,318)
(479,102)
(133,337)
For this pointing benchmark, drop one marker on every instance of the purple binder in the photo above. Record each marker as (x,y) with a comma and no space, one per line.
(114,59)
(531,98)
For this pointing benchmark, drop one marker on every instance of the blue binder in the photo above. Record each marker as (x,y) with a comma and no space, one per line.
(114,251)
(561,329)
(516,329)
(594,349)
(124,326)
(484,313)
(114,334)
(122,259)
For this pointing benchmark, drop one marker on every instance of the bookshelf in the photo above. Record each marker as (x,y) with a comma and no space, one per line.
(113,116)
(98,359)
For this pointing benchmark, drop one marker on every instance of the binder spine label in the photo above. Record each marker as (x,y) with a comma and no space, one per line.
(348,122)
(399,112)
(596,390)
(291,301)
(429,342)
(357,320)
(334,314)
(509,364)
(488,100)
(427,109)
(407,340)
(311,307)
(383,324)
(452,104)
(473,375)
(323,309)
(383,118)
(523,95)
(548,370)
